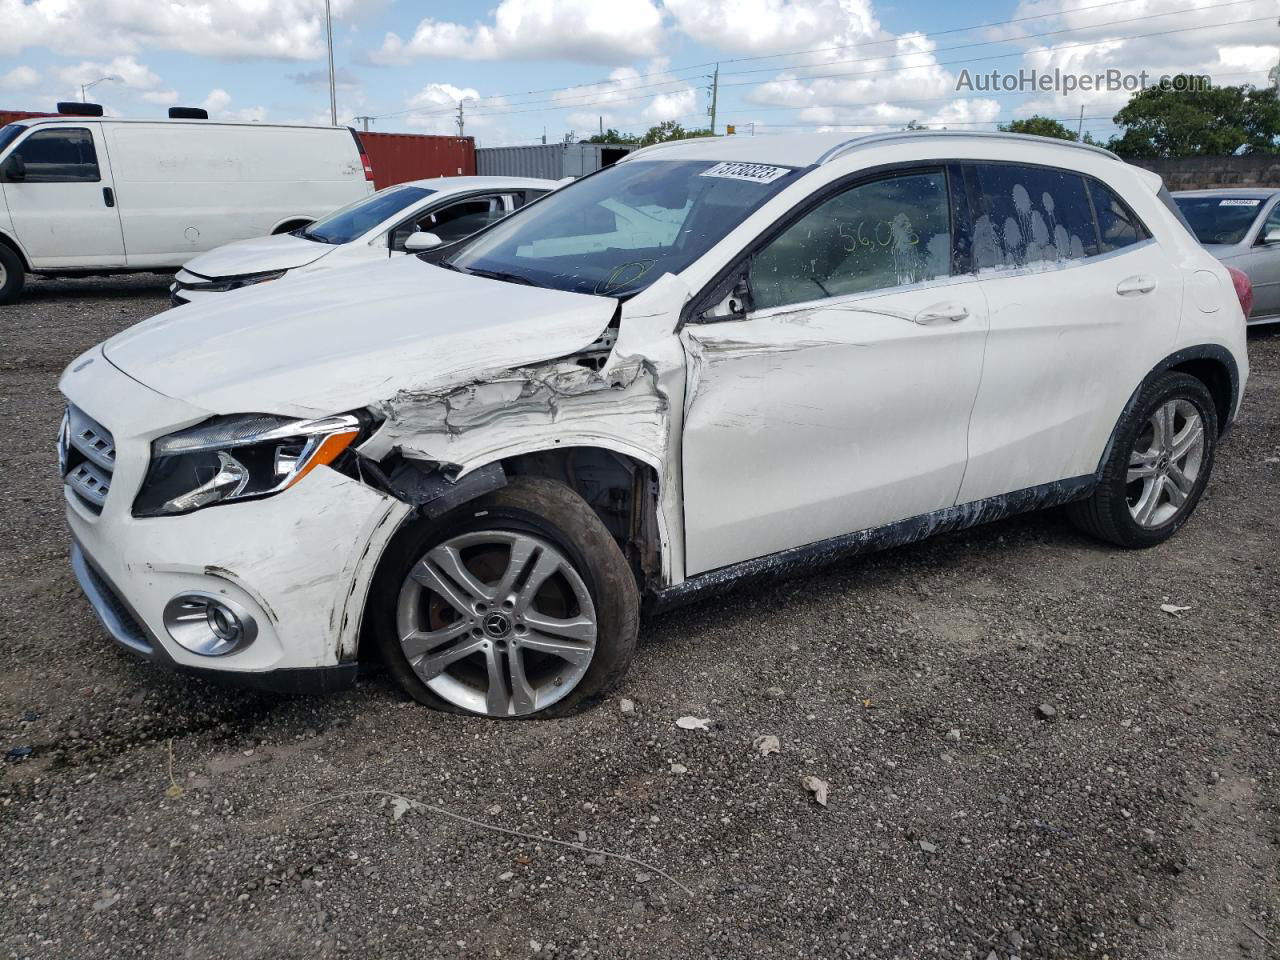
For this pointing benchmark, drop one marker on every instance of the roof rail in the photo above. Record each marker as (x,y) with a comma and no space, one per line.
(665,143)
(867,139)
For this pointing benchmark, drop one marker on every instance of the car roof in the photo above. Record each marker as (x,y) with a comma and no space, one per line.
(74,119)
(459,184)
(1244,193)
(806,149)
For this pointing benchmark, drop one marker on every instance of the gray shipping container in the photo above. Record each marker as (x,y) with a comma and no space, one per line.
(548,161)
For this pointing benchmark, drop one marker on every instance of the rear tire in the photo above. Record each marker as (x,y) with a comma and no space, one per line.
(518,604)
(1158,467)
(12,275)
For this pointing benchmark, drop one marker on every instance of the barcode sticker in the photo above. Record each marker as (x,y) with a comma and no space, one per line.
(1239,203)
(755,172)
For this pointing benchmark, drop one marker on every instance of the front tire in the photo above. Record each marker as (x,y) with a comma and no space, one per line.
(1158,467)
(12,275)
(518,604)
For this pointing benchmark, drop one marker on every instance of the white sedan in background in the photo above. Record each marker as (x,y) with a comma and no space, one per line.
(405,218)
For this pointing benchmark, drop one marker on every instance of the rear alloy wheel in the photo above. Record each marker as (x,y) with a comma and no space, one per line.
(1160,460)
(1165,463)
(518,604)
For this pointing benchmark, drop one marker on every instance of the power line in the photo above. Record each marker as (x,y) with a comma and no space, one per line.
(494,112)
(795,53)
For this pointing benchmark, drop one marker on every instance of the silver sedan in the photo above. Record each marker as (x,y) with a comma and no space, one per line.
(1242,229)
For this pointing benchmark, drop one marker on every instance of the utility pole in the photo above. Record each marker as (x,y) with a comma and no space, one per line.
(333,90)
(1274,74)
(752,125)
(365,122)
(461,120)
(601,119)
(715,90)
(1080,125)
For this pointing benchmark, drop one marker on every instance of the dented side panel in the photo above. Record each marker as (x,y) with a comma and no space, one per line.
(827,417)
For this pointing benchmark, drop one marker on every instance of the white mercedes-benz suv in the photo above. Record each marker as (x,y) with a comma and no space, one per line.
(717,360)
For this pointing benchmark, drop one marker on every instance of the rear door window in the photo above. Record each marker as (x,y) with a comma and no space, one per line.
(873,236)
(1027,215)
(61,155)
(1118,226)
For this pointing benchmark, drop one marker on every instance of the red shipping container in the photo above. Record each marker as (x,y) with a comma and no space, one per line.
(397,157)
(13,116)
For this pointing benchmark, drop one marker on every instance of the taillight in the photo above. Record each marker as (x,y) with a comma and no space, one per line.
(1244,289)
(364,157)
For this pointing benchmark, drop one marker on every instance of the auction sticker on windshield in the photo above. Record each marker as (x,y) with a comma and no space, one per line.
(1239,203)
(755,172)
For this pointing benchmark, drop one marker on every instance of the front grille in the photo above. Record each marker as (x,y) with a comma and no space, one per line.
(87,456)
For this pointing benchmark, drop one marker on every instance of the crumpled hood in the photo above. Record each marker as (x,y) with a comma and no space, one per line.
(343,339)
(259,255)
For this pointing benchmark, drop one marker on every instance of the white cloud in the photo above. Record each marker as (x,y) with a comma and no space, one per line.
(162,97)
(632,98)
(588,31)
(218,103)
(281,29)
(1207,41)
(19,78)
(774,26)
(126,70)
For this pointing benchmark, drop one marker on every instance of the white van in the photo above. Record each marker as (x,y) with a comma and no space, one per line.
(93,195)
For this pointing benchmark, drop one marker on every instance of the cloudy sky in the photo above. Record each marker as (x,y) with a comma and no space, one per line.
(523,67)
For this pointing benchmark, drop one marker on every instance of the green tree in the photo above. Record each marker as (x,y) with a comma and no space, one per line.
(669,130)
(1040,127)
(1172,121)
(613,136)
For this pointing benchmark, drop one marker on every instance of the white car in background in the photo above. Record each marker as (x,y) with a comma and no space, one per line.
(740,356)
(405,218)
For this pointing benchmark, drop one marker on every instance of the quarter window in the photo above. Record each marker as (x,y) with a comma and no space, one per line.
(1031,215)
(1118,227)
(57,156)
(882,234)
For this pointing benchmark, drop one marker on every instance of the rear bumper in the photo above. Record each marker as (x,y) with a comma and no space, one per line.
(128,631)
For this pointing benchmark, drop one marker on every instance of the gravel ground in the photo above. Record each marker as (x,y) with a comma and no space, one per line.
(159,816)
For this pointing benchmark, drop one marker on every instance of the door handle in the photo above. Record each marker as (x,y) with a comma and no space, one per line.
(1135,286)
(941,313)
(108,196)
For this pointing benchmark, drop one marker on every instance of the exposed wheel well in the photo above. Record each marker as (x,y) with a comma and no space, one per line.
(621,490)
(1214,375)
(290,225)
(8,242)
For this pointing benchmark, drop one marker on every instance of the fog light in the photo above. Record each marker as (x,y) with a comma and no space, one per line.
(209,625)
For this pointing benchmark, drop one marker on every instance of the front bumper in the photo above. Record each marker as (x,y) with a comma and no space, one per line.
(299,562)
(124,627)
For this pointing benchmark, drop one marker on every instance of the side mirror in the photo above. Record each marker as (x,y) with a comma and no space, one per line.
(735,305)
(1272,236)
(14,169)
(417,242)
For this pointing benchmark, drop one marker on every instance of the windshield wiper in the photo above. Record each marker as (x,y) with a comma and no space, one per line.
(502,275)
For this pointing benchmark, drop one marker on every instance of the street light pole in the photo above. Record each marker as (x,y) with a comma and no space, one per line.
(85,87)
(333,90)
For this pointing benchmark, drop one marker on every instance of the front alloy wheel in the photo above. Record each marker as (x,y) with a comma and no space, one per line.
(518,604)
(496,622)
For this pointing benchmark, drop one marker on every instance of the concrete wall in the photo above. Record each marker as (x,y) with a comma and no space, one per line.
(1199,173)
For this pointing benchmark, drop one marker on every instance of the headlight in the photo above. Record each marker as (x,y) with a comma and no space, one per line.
(235,458)
(235,283)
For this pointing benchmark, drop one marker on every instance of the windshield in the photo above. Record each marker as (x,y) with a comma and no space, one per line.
(356,219)
(9,133)
(617,231)
(1219,219)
